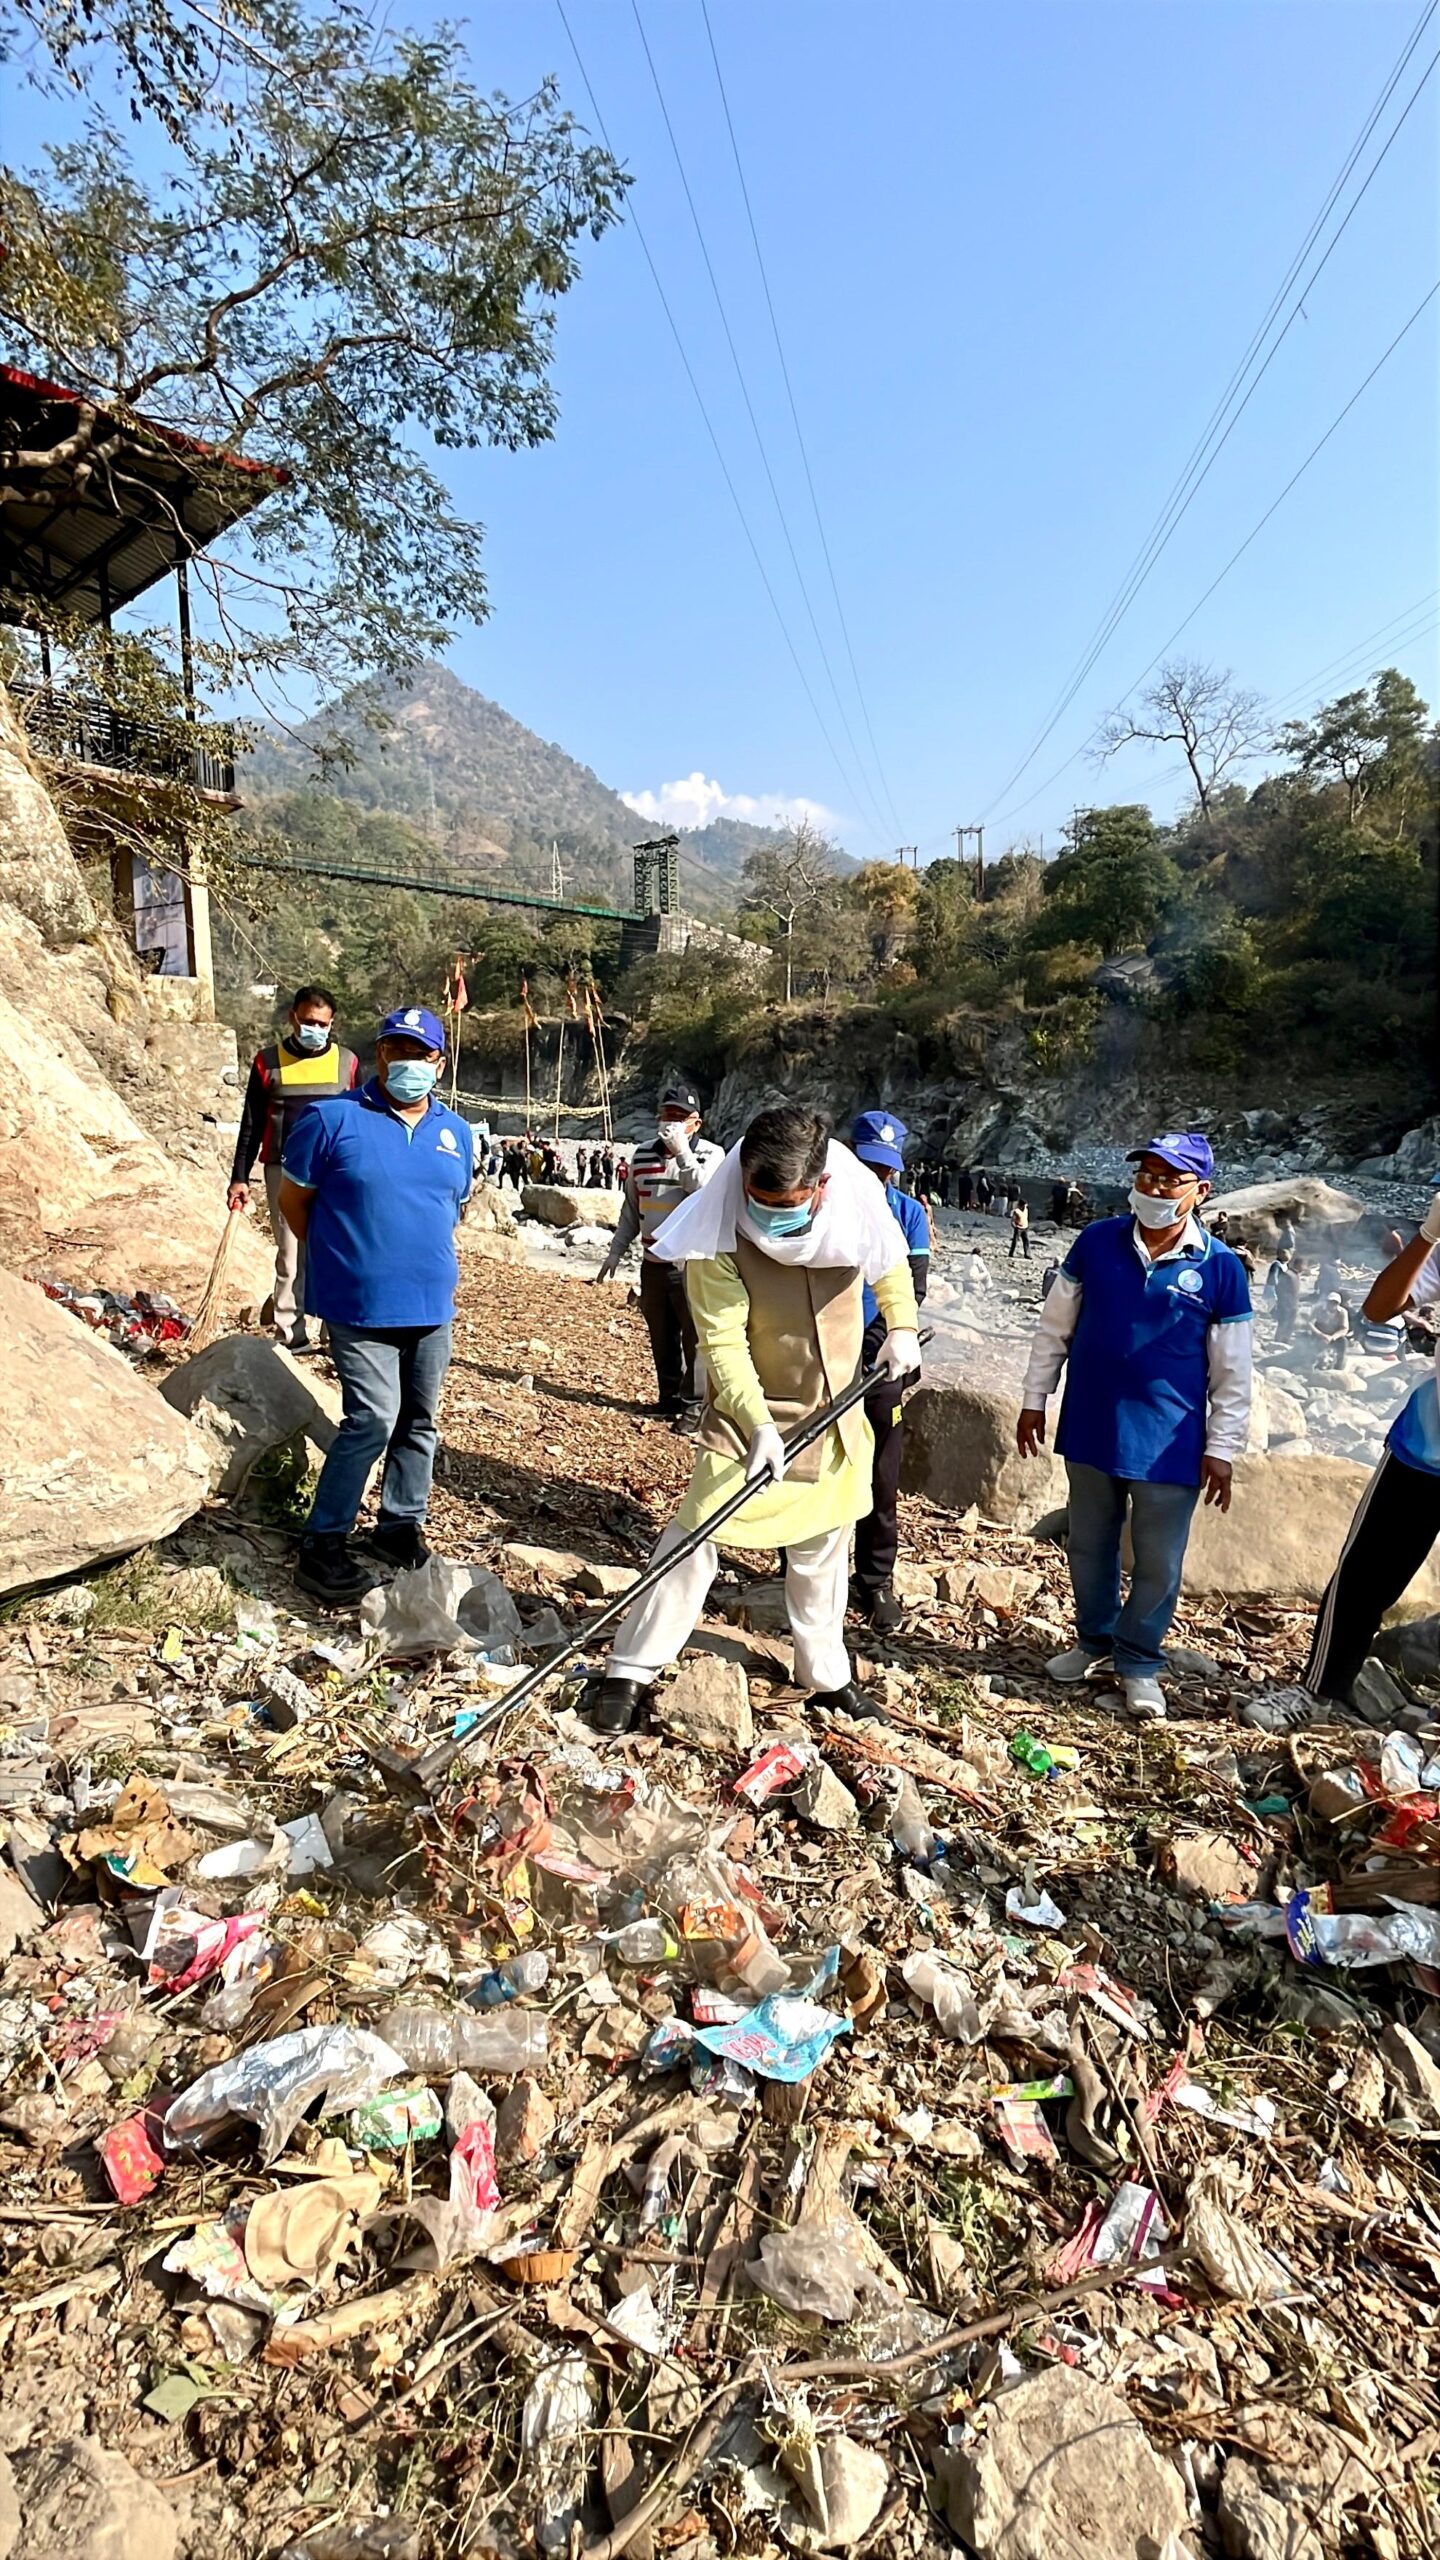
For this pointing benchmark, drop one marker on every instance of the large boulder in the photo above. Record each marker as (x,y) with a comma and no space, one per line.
(1288,1519)
(554,1207)
(960,1449)
(488,1230)
(93,1463)
(1321,1215)
(1063,2467)
(247,1396)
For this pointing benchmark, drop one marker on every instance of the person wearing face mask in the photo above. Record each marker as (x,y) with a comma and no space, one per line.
(1150,1318)
(304,1066)
(777,1250)
(374,1186)
(668,1169)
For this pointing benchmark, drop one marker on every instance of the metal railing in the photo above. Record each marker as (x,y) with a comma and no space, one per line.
(79,728)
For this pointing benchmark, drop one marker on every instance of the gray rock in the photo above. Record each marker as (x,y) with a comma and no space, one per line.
(708,1704)
(247,1396)
(1063,2467)
(1256,2524)
(552,1207)
(1254,1213)
(20,1915)
(93,1463)
(80,2501)
(960,1449)
(825,1800)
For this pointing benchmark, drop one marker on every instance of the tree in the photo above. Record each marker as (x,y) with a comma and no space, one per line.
(784,883)
(1111,886)
(340,254)
(1362,742)
(1202,711)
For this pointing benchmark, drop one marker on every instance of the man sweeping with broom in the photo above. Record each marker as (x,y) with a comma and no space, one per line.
(777,1249)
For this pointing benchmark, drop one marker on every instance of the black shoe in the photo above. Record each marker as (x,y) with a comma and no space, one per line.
(328,1571)
(688,1420)
(400,1542)
(612,1706)
(848,1701)
(882,1610)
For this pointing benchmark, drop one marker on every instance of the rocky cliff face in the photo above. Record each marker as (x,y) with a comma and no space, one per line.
(110,1172)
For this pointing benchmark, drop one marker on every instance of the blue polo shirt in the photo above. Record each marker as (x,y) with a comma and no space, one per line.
(909,1216)
(1137,1377)
(380,1249)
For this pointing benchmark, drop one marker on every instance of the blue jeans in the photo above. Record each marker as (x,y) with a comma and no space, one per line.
(1159,1526)
(390,1377)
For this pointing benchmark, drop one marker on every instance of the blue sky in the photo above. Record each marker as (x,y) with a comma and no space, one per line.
(1016,253)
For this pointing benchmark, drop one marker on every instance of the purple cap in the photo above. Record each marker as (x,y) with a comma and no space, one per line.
(413,1022)
(1186,1150)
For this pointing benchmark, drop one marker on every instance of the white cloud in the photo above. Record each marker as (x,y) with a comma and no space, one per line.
(697,802)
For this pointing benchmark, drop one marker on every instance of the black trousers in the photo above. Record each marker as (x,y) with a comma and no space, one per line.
(1394,1528)
(1020,1237)
(877,1537)
(671,1328)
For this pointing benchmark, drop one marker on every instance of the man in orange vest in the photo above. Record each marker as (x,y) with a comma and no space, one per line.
(306,1064)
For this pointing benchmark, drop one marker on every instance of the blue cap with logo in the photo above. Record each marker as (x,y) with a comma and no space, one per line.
(413,1022)
(879,1138)
(1184,1150)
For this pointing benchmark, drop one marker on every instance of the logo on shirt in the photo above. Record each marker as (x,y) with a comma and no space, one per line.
(448,1143)
(1190,1282)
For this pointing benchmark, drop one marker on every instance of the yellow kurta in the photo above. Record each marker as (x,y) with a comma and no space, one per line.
(782,1515)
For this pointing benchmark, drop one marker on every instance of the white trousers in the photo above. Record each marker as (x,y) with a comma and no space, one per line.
(817,1576)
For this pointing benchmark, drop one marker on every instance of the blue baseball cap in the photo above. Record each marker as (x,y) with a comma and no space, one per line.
(878,1138)
(413,1022)
(1186,1150)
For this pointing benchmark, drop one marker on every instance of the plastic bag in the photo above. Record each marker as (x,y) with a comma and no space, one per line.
(439,1605)
(815,2272)
(782,2039)
(554,2425)
(274,2083)
(945,1990)
(1356,1938)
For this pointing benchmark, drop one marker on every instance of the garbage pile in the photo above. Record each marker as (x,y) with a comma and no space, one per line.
(985,2125)
(130,1323)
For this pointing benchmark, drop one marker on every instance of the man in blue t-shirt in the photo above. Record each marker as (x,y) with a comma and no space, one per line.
(878,1139)
(1150,1317)
(374,1185)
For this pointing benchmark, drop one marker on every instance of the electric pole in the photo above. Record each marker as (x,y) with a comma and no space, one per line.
(979,835)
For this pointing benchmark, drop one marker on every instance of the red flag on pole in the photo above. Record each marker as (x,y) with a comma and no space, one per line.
(460,997)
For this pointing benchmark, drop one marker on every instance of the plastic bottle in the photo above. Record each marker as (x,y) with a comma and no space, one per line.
(646,1941)
(1032,1755)
(439,2042)
(910,1828)
(516,1974)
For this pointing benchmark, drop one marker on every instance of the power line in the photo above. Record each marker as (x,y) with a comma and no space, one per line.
(795,420)
(755,428)
(1389,635)
(1258,527)
(1214,437)
(725,472)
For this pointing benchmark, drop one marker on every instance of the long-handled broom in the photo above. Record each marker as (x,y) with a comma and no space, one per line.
(207,1314)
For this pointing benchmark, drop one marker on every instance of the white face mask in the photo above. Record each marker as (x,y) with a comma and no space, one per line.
(1157,1213)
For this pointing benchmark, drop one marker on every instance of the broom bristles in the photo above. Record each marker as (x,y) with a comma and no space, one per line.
(207,1314)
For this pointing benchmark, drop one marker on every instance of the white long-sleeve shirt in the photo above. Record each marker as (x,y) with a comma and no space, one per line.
(1229,1353)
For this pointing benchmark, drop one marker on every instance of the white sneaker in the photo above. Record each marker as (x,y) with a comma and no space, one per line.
(1077,1664)
(1145,1698)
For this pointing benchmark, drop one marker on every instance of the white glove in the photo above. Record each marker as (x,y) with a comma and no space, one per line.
(1430,1226)
(898,1355)
(767,1449)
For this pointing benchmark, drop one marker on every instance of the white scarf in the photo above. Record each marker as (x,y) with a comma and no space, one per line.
(854,1228)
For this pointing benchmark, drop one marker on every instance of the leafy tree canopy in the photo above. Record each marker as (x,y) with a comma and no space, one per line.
(349,258)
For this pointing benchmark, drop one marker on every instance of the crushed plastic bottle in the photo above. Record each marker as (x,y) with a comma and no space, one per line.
(440,2042)
(516,1975)
(1043,1760)
(644,1942)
